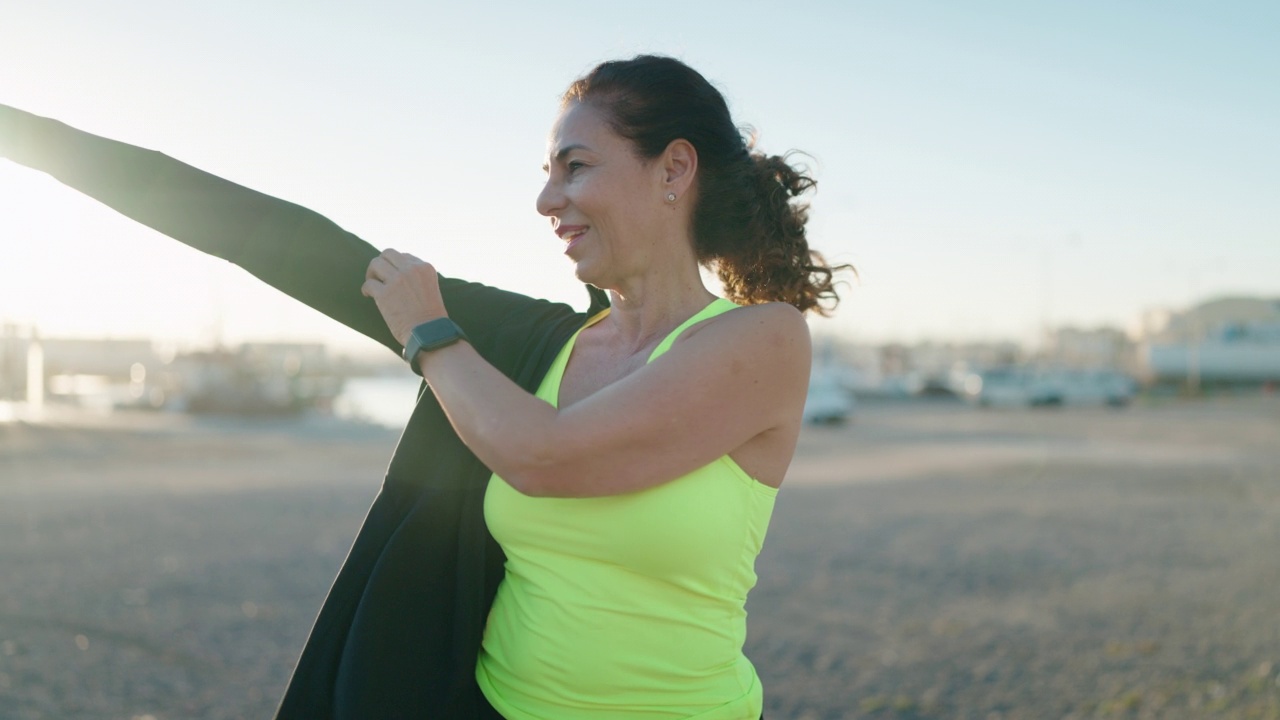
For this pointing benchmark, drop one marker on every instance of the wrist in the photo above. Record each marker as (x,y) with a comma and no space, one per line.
(429,337)
(430,361)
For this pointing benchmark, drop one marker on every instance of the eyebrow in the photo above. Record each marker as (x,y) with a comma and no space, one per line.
(562,152)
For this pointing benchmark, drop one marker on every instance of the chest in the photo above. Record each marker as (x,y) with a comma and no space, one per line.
(705,527)
(593,367)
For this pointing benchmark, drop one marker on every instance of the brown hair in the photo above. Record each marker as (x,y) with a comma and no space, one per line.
(745,223)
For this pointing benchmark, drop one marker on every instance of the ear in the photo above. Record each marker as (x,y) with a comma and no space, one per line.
(679,164)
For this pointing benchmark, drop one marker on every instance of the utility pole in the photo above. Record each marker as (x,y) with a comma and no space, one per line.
(35,375)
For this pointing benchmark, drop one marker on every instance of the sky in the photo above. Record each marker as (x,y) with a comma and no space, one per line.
(990,167)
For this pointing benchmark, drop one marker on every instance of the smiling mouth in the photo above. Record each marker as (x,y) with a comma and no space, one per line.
(571,239)
(571,234)
(574,234)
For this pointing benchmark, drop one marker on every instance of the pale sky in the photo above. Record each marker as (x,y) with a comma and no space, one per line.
(988,166)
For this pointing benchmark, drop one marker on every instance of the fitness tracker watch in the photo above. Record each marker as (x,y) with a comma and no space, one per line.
(431,335)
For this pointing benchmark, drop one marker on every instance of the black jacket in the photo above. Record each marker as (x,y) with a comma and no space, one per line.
(398,635)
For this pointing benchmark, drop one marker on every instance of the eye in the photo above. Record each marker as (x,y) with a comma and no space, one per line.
(574,165)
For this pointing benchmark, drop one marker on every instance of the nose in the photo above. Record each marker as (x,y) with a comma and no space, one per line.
(551,199)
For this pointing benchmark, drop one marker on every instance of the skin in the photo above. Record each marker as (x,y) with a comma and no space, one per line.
(734,384)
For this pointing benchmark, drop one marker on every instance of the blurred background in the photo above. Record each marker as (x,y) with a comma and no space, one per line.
(1042,472)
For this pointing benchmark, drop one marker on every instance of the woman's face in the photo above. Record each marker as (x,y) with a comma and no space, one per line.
(604,201)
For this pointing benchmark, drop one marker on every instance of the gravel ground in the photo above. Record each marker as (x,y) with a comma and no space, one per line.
(927,561)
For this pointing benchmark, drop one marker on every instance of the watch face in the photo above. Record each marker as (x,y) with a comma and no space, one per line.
(438,332)
(431,335)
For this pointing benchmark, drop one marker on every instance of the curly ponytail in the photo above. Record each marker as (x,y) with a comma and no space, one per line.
(745,223)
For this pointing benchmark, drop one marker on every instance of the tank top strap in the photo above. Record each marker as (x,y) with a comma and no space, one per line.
(717,307)
(549,389)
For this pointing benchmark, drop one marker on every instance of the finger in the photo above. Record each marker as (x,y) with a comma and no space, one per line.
(380,268)
(371,288)
(394,257)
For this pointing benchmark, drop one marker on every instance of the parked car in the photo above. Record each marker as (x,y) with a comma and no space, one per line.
(1095,387)
(1007,387)
(828,401)
(1022,387)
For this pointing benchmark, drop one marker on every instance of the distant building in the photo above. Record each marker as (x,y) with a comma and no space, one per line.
(68,361)
(110,358)
(13,361)
(921,368)
(255,378)
(1224,342)
(1102,348)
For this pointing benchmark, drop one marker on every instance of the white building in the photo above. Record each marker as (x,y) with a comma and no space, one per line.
(1228,341)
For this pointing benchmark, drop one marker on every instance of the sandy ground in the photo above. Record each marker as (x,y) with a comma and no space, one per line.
(927,561)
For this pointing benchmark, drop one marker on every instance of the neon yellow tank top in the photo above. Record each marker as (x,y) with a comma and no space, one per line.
(628,606)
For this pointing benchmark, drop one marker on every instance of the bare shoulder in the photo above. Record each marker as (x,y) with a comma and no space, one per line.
(775,316)
(771,338)
(777,323)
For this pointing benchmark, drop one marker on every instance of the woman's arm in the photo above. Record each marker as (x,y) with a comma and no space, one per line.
(293,249)
(742,374)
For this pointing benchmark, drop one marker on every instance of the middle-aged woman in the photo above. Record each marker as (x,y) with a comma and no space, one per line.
(626,459)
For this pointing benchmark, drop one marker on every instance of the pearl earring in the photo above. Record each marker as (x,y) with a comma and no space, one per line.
(671,197)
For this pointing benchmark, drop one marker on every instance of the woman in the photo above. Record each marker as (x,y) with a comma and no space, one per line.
(632,453)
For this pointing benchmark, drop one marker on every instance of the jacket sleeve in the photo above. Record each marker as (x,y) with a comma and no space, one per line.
(291,248)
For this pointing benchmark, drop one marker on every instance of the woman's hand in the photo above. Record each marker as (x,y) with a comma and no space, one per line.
(406,291)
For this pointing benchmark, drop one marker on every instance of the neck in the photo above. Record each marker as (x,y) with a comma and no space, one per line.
(654,304)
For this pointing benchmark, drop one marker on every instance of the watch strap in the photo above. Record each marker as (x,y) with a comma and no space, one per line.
(431,335)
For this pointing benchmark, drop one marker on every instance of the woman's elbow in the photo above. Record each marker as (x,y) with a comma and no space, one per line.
(533,473)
